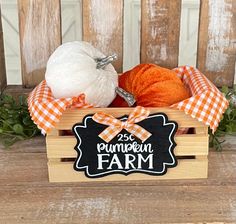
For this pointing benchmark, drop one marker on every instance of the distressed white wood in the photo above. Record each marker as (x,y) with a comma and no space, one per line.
(103,27)
(217,41)
(160,32)
(219,29)
(40,35)
(71,30)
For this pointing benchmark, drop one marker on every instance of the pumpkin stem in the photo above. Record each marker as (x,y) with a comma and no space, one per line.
(103,62)
(128,97)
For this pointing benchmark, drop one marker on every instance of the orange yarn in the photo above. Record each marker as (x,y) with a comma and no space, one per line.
(152,86)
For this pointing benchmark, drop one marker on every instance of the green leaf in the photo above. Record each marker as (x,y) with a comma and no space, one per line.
(18,129)
(227,125)
(15,121)
(27,121)
(228,111)
(225,89)
(234,87)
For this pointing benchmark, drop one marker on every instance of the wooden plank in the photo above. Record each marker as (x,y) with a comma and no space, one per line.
(160,32)
(17,90)
(15,168)
(70,117)
(186,169)
(36,144)
(27,197)
(54,132)
(230,142)
(40,34)
(103,27)
(3,77)
(115,205)
(217,41)
(63,146)
(30,168)
(201,130)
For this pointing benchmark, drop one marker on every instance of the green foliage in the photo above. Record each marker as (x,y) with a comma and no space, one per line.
(227,125)
(15,121)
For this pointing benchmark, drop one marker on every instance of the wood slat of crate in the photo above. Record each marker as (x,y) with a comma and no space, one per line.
(186,169)
(70,117)
(191,149)
(63,146)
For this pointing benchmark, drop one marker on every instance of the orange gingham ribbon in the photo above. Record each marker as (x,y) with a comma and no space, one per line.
(116,126)
(207,103)
(46,111)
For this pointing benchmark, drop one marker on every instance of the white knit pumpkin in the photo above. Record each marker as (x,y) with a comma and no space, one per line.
(72,70)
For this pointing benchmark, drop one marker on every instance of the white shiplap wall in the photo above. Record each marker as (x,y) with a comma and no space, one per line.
(189,32)
(72,30)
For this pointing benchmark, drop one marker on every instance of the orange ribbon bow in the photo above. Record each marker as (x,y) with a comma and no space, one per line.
(116,126)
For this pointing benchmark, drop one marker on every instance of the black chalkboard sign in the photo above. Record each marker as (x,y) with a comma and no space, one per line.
(125,153)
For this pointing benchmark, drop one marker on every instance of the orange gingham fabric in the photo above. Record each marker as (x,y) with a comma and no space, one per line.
(115,126)
(46,111)
(207,103)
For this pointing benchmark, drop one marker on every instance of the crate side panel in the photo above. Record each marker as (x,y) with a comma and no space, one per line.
(70,117)
(186,169)
(63,146)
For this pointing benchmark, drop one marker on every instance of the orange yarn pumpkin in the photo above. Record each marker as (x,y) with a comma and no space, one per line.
(152,86)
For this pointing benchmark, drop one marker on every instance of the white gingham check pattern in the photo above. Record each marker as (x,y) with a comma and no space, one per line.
(116,126)
(207,103)
(46,111)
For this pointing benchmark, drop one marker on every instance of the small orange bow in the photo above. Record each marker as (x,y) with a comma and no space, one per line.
(80,102)
(116,126)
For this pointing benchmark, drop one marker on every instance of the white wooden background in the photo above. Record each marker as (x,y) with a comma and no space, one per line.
(72,30)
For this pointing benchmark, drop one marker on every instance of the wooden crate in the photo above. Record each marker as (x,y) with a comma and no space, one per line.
(191,150)
(161,18)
